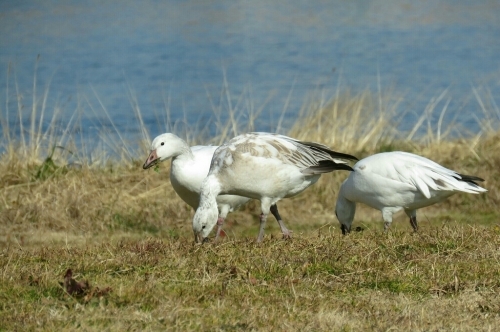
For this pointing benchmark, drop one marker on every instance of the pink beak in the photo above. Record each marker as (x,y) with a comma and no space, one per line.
(151,160)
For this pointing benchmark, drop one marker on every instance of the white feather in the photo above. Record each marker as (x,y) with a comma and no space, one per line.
(189,168)
(393,181)
(264,166)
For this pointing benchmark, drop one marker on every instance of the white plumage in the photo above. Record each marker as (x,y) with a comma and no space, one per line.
(189,167)
(264,166)
(393,181)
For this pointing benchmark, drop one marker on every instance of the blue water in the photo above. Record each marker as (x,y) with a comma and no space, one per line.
(271,55)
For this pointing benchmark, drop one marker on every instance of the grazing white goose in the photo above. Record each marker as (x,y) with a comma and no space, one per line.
(264,166)
(189,167)
(393,181)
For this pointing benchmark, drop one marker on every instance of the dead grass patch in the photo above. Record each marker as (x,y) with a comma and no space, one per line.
(125,230)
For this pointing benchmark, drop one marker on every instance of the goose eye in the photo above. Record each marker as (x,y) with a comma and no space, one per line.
(203,227)
(162,143)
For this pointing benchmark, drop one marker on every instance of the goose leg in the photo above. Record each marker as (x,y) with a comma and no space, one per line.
(223,211)
(220,222)
(413,219)
(387,216)
(413,222)
(287,234)
(263,218)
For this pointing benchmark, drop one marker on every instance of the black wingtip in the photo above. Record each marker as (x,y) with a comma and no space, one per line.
(469,178)
(333,154)
(326,166)
(344,167)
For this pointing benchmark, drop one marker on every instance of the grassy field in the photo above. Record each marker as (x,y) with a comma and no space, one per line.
(127,239)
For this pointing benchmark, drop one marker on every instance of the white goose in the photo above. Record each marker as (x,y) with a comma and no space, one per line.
(393,181)
(189,167)
(264,166)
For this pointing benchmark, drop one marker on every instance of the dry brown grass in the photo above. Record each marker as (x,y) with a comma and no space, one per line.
(126,232)
(440,279)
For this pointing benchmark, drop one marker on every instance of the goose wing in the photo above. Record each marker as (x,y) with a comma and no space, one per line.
(309,157)
(423,174)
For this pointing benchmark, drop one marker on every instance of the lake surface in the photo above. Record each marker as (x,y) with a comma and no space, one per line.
(272,56)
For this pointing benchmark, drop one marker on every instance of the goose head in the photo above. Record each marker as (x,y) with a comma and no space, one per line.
(345,210)
(164,147)
(204,221)
(207,212)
